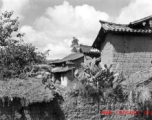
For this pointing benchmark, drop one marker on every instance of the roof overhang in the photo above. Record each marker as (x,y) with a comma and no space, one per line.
(107,27)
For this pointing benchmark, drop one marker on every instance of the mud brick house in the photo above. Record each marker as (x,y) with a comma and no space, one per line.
(128,45)
(64,69)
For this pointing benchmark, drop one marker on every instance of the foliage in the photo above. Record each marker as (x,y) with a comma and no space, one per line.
(98,78)
(15,54)
(75,45)
(7,27)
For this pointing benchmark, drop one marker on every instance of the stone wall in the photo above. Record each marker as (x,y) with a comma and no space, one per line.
(132,52)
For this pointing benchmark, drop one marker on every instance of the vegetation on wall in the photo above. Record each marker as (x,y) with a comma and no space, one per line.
(98,78)
(112,89)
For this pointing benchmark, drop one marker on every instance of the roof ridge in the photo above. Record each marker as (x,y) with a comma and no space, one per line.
(111,23)
(140,20)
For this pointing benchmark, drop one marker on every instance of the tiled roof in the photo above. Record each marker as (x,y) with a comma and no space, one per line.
(73,56)
(61,69)
(89,49)
(70,57)
(133,28)
(141,20)
(107,26)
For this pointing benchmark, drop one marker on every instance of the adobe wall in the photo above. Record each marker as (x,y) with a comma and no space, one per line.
(76,107)
(107,50)
(77,62)
(132,52)
(68,77)
(38,111)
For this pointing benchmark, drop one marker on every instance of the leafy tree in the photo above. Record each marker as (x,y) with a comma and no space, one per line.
(7,27)
(75,45)
(15,55)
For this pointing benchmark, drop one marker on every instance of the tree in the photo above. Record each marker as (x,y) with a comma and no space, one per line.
(15,55)
(7,27)
(75,45)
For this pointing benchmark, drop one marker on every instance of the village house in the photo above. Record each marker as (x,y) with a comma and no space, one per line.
(64,69)
(127,46)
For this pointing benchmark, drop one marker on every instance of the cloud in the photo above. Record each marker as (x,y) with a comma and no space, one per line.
(137,9)
(56,28)
(43,42)
(59,50)
(14,5)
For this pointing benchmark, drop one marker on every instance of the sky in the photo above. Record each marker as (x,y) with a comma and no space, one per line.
(52,24)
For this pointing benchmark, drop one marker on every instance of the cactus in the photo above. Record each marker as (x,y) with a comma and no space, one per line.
(100,77)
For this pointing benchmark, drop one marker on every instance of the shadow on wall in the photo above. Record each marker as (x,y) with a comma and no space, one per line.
(130,43)
(132,52)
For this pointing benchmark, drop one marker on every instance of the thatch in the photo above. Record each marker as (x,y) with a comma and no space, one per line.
(29,91)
